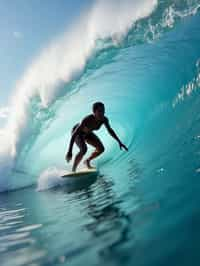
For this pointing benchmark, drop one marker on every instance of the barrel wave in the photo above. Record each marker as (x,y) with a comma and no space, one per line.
(143,61)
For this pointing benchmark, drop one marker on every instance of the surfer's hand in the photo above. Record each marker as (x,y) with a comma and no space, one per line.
(121,145)
(68,156)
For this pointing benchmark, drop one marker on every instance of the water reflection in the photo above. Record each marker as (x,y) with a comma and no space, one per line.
(69,223)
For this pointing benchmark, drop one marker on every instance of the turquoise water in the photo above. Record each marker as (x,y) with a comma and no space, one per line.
(142,209)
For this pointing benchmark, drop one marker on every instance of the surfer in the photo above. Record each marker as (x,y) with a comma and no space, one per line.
(82,134)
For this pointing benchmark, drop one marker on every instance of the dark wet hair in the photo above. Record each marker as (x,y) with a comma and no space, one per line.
(97,105)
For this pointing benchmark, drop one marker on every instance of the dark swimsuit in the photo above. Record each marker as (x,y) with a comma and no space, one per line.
(81,137)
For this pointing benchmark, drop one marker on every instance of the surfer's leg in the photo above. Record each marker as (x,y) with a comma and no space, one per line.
(93,140)
(79,140)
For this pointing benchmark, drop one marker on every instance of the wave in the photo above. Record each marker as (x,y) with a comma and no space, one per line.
(63,67)
(187,89)
(66,57)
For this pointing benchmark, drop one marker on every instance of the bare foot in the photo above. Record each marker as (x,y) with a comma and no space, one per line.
(73,169)
(87,163)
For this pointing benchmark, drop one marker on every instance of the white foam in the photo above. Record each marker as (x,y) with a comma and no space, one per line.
(49,178)
(188,88)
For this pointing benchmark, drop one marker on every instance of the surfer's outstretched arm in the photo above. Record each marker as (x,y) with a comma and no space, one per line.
(113,134)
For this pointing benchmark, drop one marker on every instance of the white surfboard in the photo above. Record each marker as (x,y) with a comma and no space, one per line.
(81,173)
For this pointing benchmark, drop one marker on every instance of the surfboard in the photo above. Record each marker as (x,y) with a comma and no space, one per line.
(81,174)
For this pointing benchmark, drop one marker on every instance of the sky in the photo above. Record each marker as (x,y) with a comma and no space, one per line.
(26,27)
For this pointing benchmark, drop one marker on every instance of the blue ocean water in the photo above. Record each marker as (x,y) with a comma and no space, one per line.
(142,209)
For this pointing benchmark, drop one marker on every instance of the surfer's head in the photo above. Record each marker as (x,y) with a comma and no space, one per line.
(98,110)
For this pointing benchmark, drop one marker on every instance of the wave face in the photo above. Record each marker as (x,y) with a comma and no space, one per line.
(143,61)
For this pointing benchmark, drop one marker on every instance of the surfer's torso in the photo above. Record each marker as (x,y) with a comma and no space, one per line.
(89,123)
